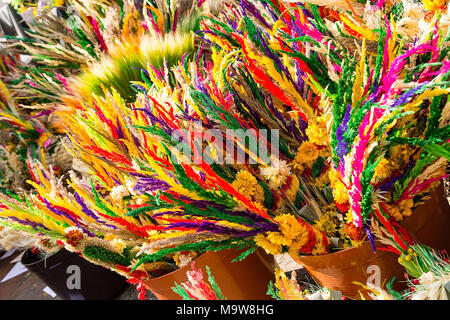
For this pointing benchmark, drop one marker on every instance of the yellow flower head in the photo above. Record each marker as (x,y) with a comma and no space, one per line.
(298,243)
(291,192)
(317,131)
(292,234)
(340,192)
(326,223)
(383,170)
(434,5)
(406,206)
(246,184)
(279,238)
(307,153)
(269,247)
(401,210)
(395,213)
(289,226)
(319,247)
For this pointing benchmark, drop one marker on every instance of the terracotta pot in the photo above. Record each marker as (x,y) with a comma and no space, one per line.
(429,224)
(244,280)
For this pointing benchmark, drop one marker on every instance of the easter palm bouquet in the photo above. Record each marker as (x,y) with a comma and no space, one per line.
(333,120)
(28,212)
(90,44)
(354,113)
(25,135)
(363,130)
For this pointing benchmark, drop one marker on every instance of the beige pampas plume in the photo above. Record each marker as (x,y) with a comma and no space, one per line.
(215,6)
(445,116)
(10,239)
(413,14)
(417,21)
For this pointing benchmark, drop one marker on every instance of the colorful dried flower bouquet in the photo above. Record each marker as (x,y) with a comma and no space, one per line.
(352,105)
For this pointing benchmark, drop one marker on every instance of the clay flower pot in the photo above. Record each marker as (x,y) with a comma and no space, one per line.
(429,225)
(244,280)
(59,272)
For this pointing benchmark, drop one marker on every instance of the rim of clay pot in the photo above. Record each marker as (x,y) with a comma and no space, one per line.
(199,258)
(365,248)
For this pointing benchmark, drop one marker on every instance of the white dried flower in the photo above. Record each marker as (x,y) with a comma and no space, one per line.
(118,193)
(277,173)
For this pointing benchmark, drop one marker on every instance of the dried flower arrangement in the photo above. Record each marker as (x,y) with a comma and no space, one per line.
(357,95)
